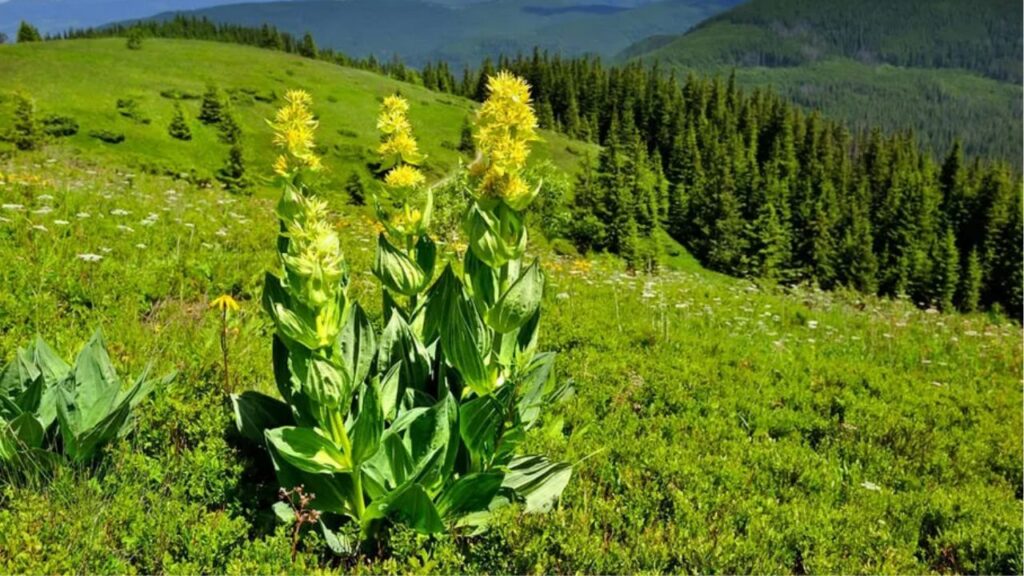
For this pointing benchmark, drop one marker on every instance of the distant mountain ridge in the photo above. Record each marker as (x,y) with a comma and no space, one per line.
(463,33)
(54,16)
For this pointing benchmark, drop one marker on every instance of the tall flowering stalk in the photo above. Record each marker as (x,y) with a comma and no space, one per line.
(405,254)
(421,423)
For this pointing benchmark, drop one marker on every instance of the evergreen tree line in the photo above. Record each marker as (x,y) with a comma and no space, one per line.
(755,187)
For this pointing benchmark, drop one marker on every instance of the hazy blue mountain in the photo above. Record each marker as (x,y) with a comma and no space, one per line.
(52,16)
(465,31)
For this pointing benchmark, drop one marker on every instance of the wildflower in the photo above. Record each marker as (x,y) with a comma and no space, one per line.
(404,176)
(506,125)
(89,257)
(126,229)
(13,207)
(140,246)
(40,228)
(61,222)
(294,127)
(224,302)
(398,144)
(43,211)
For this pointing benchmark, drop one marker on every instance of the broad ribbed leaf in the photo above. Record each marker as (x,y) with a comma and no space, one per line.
(471,493)
(53,367)
(495,237)
(331,490)
(368,426)
(255,413)
(480,421)
(519,303)
(538,481)
(308,451)
(534,384)
(411,505)
(97,386)
(292,318)
(482,280)
(398,344)
(396,270)
(466,340)
(358,345)
(438,304)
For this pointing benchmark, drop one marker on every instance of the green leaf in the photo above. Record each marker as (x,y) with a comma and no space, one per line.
(398,345)
(97,386)
(535,382)
(308,451)
(331,490)
(255,413)
(465,339)
(358,345)
(520,302)
(426,258)
(53,368)
(390,388)
(537,481)
(471,493)
(368,426)
(495,237)
(480,421)
(411,505)
(293,319)
(482,280)
(396,271)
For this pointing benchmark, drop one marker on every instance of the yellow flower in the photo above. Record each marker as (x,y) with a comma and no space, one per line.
(400,144)
(224,302)
(506,124)
(294,128)
(404,176)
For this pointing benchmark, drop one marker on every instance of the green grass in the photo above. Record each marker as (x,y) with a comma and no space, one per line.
(85,78)
(717,426)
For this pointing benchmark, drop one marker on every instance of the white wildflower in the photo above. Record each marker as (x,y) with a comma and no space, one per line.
(89,257)
(13,207)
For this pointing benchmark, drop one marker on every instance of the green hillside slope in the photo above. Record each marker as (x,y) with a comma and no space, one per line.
(938,68)
(84,79)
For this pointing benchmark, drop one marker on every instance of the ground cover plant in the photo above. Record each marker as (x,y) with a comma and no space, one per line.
(716,424)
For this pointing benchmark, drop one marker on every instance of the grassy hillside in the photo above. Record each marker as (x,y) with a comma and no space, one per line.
(938,68)
(85,79)
(716,425)
(419,31)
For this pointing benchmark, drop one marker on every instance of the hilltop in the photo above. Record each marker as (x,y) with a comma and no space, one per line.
(939,68)
(166,72)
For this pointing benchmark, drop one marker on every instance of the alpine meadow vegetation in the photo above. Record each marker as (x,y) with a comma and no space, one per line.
(357,285)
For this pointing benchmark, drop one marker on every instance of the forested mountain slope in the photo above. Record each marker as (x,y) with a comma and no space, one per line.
(938,68)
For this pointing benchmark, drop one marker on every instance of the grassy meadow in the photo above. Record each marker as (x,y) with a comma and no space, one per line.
(716,426)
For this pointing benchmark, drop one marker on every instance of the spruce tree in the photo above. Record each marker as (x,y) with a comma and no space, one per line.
(134,39)
(211,110)
(946,270)
(229,132)
(466,143)
(178,127)
(969,291)
(26,134)
(356,191)
(232,174)
(28,33)
(308,47)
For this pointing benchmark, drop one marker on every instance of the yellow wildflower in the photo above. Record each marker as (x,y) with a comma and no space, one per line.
(224,303)
(404,176)
(506,124)
(294,128)
(401,144)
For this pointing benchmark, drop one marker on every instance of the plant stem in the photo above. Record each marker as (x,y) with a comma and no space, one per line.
(224,348)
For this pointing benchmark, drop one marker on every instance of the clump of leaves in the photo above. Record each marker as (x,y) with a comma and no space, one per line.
(48,404)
